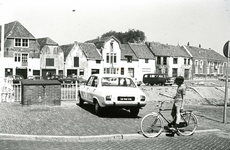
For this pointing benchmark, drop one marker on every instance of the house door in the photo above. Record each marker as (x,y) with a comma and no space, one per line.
(186,74)
(22,72)
(174,72)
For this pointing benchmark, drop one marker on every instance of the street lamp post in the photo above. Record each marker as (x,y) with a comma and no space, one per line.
(205,63)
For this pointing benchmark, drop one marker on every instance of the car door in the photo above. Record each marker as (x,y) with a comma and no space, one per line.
(85,89)
(92,88)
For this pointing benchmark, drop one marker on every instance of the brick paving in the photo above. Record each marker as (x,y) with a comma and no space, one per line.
(205,141)
(70,119)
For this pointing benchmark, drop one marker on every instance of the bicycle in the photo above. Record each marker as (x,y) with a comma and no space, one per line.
(152,123)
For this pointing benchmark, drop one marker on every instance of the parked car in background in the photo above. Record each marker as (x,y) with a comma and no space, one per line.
(74,78)
(112,90)
(223,78)
(60,77)
(169,80)
(35,77)
(16,78)
(157,78)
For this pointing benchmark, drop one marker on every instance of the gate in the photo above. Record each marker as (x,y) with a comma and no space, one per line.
(17,88)
(69,91)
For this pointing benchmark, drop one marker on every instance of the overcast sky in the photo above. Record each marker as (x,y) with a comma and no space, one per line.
(205,22)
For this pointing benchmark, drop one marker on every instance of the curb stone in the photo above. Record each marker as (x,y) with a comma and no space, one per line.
(84,138)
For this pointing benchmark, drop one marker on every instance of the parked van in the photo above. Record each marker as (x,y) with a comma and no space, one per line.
(156,78)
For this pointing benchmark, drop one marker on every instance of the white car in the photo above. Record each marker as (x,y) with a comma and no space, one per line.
(112,90)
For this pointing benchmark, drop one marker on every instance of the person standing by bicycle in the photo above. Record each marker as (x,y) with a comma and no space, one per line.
(178,104)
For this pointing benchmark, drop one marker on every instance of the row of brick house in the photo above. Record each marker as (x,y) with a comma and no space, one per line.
(26,55)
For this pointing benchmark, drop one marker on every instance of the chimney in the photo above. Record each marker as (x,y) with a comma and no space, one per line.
(188,44)
(199,45)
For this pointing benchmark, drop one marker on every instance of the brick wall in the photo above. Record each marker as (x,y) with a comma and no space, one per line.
(41,95)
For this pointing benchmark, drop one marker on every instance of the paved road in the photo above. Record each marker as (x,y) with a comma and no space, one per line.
(204,141)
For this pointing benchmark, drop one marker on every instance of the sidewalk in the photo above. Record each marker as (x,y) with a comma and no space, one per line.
(70,121)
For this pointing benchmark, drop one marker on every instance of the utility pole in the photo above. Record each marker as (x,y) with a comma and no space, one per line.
(206,70)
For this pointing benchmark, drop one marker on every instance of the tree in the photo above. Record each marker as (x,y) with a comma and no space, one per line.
(131,36)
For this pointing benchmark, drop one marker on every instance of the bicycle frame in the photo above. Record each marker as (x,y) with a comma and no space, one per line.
(167,120)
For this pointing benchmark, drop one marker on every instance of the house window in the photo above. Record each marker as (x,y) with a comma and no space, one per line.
(81,71)
(17,42)
(196,63)
(175,60)
(158,60)
(122,71)
(164,60)
(49,62)
(129,59)
(24,58)
(76,61)
(131,72)
(24,42)
(115,57)
(112,56)
(166,71)
(17,57)
(185,61)
(98,61)
(21,42)
(146,61)
(188,61)
(107,57)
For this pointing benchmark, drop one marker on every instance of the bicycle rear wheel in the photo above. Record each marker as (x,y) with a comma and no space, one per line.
(188,124)
(151,125)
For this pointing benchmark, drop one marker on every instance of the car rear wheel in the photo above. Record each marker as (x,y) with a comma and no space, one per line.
(134,111)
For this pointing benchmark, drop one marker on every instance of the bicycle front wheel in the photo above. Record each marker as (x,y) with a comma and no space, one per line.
(151,125)
(188,124)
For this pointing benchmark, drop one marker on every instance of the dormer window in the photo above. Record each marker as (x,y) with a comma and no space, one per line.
(21,42)
(98,61)
(129,59)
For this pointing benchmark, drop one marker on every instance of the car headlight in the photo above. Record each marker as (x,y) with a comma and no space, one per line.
(142,98)
(108,97)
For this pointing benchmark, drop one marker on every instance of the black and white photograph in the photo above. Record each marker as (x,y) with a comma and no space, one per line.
(114,75)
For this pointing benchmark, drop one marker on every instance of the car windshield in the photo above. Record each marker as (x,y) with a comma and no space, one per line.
(117,81)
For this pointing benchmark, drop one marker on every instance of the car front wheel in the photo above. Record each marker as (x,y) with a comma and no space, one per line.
(134,111)
(97,108)
(81,102)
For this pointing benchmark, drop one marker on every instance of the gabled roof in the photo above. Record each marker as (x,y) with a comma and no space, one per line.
(16,30)
(141,51)
(99,42)
(199,53)
(46,41)
(127,51)
(90,51)
(167,50)
(66,49)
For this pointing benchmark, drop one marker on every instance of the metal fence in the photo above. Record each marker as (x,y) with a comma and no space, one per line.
(6,90)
